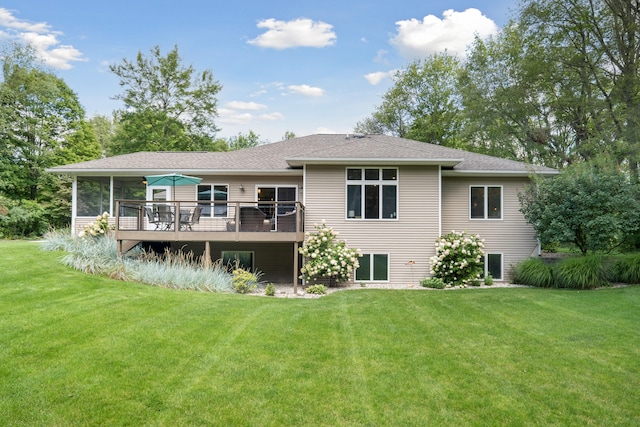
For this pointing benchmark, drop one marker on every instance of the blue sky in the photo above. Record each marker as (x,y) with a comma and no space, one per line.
(304,67)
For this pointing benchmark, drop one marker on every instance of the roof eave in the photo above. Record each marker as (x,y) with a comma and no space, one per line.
(298,161)
(143,172)
(502,173)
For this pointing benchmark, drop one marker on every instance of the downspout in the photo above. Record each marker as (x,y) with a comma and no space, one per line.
(74,203)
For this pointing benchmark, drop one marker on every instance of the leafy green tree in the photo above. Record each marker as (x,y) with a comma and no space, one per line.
(244,141)
(423,104)
(168,106)
(596,207)
(105,129)
(288,135)
(597,44)
(41,125)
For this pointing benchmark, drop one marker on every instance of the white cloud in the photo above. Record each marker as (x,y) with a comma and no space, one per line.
(378,76)
(272,116)
(240,105)
(418,39)
(231,117)
(7,20)
(306,90)
(42,38)
(299,32)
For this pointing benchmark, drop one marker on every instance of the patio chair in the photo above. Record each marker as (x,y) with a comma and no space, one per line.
(253,219)
(191,219)
(286,222)
(151,218)
(165,217)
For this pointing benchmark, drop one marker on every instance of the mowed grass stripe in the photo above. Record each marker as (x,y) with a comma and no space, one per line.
(84,350)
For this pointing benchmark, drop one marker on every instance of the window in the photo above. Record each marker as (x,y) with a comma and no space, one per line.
(373,267)
(372,193)
(93,195)
(238,259)
(279,195)
(218,194)
(486,202)
(493,265)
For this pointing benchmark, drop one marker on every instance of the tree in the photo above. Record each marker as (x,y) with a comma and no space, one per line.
(244,141)
(168,106)
(423,104)
(596,207)
(598,41)
(105,129)
(288,135)
(41,125)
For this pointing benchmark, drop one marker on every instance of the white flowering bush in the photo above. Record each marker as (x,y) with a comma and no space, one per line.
(327,257)
(99,227)
(458,258)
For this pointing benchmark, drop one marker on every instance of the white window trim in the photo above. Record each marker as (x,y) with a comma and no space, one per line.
(212,201)
(486,265)
(362,182)
(370,254)
(486,202)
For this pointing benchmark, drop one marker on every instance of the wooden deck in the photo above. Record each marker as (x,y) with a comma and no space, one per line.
(173,221)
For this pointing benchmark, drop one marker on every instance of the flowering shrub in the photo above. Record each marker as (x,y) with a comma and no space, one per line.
(458,258)
(326,257)
(316,289)
(244,281)
(97,228)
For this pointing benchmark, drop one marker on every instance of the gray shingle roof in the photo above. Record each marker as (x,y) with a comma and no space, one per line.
(286,156)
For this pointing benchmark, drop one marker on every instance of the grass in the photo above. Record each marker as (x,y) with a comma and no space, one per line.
(78,350)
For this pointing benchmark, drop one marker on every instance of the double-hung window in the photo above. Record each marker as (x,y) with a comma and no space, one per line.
(372,193)
(217,196)
(486,202)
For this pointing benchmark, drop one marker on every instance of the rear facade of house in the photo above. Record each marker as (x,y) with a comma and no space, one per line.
(390,197)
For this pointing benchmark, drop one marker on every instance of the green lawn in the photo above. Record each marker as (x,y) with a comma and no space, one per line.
(80,350)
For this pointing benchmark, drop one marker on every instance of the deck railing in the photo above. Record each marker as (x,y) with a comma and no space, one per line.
(198,216)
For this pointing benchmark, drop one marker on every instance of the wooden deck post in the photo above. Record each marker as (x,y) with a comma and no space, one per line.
(295,268)
(206,261)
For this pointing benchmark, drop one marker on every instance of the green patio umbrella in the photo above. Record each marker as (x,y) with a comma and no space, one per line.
(172,179)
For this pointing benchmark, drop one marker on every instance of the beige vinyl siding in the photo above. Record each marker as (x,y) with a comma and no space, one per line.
(512,235)
(249,183)
(409,237)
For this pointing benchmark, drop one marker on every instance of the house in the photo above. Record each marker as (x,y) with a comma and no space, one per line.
(390,197)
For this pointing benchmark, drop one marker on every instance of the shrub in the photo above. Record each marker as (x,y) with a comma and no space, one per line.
(433,282)
(626,269)
(533,272)
(23,218)
(326,257)
(244,281)
(176,271)
(458,258)
(98,228)
(270,290)
(316,289)
(584,272)
(488,280)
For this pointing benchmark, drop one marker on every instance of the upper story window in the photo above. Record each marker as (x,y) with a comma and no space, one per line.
(372,193)
(218,194)
(486,202)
